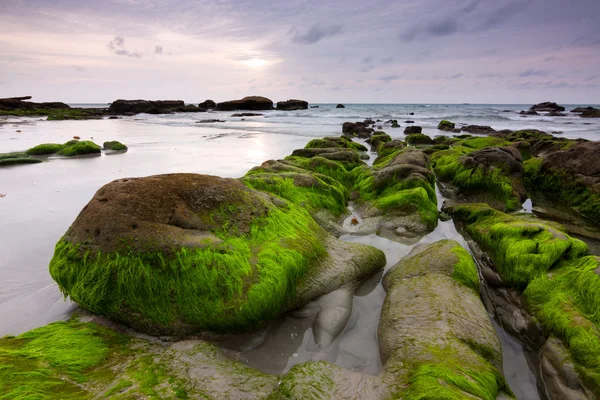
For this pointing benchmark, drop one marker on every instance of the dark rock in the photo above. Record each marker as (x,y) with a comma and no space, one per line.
(547,106)
(340,106)
(412,129)
(113,117)
(418,138)
(556,114)
(582,109)
(409,122)
(144,106)
(207,105)
(16,103)
(478,129)
(369,122)
(530,112)
(445,125)
(208,121)
(292,104)
(246,114)
(247,103)
(591,114)
(411,113)
(189,108)
(359,129)
(314,106)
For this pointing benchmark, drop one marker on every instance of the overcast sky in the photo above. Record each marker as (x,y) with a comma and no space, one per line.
(403,51)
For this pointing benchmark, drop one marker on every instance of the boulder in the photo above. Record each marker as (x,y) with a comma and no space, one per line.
(478,129)
(247,103)
(246,115)
(340,106)
(144,106)
(412,129)
(197,245)
(530,112)
(314,106)
(418,138)
(591,114)
(207,105)
(114,145)
(17,103)
(359,129)
(292,104)
(445,125)
(547,106)
(582,109)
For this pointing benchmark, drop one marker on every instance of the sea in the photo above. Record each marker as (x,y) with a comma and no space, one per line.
(38,202)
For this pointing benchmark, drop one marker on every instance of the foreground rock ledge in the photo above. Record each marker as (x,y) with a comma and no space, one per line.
(180,253)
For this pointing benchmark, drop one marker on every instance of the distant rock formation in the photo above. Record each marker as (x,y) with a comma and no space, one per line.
(207,105)
(144,106)
(547,106)
(17,103)
(247,103)
(292,104)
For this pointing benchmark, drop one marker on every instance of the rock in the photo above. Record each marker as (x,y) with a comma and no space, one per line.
(411,113)
(184,225)
(412,129)
(209,121)
(409,122)
(395,124)
(113,117)
(591,114)
(378,139)
(445,125)
(76,148)
(369,122)
(17,103)
(359,129)
(247,103)
(582,109)
(547,106)
(418,138)
(556,114)
(114,145)
(314,106)
(144,106)
(530,112)
(246,115)
(189,108)
(292,105)
(207,105)
(478,129)
(340,106)
(442,324)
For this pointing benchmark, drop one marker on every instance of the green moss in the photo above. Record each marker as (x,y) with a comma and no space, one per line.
(235,285)
(79,148)
(564,187)
(567,303)
(357,146)
(418,138)
(43,149)
(114,145)
(465,270)
(4,162)
(446,125)
(56,114)
(479,143)
(521,249)
(310,380)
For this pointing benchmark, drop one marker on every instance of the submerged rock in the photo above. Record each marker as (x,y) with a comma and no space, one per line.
(583,109)
(247,103)
(292,104)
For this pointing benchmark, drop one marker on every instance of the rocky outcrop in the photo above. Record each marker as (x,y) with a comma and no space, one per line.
(590,114)
(478,129)
(412,129)
(582,109)
(130,107)
(547,106)
(247,103)
(188,235)
(207,105)
(292,105)
(19,103)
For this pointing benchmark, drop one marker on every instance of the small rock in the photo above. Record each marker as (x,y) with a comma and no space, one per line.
(340,106)
(208,121)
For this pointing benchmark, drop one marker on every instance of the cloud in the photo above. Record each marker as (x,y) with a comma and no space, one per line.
(469,7)
(367,60)
(445,27)
(387,60)
(490,75)
(117,46)
(503,14)
(390,78)
(548,59)
(592,78)
(533,72)
(560,85)
(455,76)
(78,68)
(315,33)
(158,49)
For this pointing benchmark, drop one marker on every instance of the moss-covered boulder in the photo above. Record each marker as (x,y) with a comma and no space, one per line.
(45,149)
(397,192)
(16,158)
(418,138)
(559,281)
(572,175)
(114,145)
(378,139)
(77,148)
(442,343)
(446,125)
(181,253)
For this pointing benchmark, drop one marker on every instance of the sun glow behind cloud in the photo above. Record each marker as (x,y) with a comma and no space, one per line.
(256,62)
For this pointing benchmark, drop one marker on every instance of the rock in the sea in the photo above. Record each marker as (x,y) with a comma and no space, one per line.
(246,115)
(445,125)
(595,113)
(247,103)
(18,103)
(114,145)
(582,109)
(418,138)
(547,106)
(359,129)
(207,105)
(530,112)
(556,114)
(478,129)
(314,106)
(144,106)
(292,104)
(340,106)
(209,121)
(378,139)
(412,129)
(409,122)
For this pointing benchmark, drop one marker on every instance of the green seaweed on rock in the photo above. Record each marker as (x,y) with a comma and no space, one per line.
(44,149)
(76,147)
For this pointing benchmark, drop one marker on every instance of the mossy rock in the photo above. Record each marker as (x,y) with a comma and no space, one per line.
(378,139)
(442,343)
(418,138)
(76,148)
(446,125)
(114,145)
(9,160)
(45,149)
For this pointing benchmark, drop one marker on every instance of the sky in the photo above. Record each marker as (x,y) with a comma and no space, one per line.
(325,51)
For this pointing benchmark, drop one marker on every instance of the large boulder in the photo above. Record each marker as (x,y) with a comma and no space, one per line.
(412,129)
(446,125)
(181,253)
(292,104)
(247,103)
(144,106)
(359,129)
(547,106)
(207,105)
